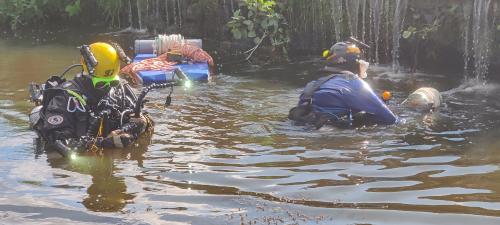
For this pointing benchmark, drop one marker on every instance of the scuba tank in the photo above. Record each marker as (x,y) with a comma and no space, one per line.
(424,99)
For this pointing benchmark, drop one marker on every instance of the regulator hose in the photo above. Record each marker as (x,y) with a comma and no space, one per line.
(183,78)
(140,100)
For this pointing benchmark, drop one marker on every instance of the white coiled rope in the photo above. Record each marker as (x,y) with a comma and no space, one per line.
(165,43)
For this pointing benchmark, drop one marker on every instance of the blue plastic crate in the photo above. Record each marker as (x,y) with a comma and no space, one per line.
(140,57)
(195,72)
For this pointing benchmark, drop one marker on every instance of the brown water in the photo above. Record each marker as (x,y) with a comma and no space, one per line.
(224,153)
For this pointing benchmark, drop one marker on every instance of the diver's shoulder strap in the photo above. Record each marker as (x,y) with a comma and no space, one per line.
(314,86)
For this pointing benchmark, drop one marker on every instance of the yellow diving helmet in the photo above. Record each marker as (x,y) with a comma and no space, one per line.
(106,64)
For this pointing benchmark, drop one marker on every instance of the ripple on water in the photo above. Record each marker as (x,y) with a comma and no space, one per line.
(226,150)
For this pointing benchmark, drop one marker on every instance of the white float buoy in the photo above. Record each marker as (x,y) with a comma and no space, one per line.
(424,99)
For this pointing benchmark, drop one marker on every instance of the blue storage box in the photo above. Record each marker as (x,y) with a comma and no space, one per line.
(140,57)
(195,71)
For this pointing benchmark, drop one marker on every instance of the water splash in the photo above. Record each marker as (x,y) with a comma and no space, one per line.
(474,87)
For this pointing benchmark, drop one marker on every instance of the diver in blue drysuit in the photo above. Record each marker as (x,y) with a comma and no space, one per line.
(342,98)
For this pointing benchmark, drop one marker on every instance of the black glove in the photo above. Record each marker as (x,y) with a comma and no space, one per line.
(116,139)
(136,126)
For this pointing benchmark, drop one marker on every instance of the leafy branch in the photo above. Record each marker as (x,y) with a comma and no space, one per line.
(261,22)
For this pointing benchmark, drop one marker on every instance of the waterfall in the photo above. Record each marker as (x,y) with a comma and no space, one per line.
(353,15)
(166,13)
(363,18)
(175,13)
(130,19)
(179,13)
(398,21)
(157,16)
(139,17)
(375,9)
(337,14)
(387,13)
(224,7)
(482,30)
(467,10)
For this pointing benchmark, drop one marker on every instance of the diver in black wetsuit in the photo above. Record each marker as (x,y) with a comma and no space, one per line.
(88,112)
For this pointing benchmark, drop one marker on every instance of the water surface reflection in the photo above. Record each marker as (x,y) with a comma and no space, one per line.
(224,153)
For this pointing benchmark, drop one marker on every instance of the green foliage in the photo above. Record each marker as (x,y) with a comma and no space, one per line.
(261,21)
(111,9)
(17,13)
(421,33)
(422,29)
(73,9)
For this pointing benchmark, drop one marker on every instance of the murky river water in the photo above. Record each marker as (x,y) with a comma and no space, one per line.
(224,153)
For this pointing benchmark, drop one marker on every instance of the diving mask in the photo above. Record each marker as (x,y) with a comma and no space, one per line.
(105,82)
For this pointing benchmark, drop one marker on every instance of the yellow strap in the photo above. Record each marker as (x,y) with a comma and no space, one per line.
(101,127)
(77,96)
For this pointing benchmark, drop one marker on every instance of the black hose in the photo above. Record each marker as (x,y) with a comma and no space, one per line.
(88,58)
(69,68)
(145,91)
(62,149)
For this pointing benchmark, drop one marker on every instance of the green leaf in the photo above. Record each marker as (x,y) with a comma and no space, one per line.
(256,40)
(73,9)
(264,24)
(236,34)
(236,13)
(275,24)
(244,33)
(285,52)
(251,34)
(498,27)
(407,34)
(250,27)
(247,22)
